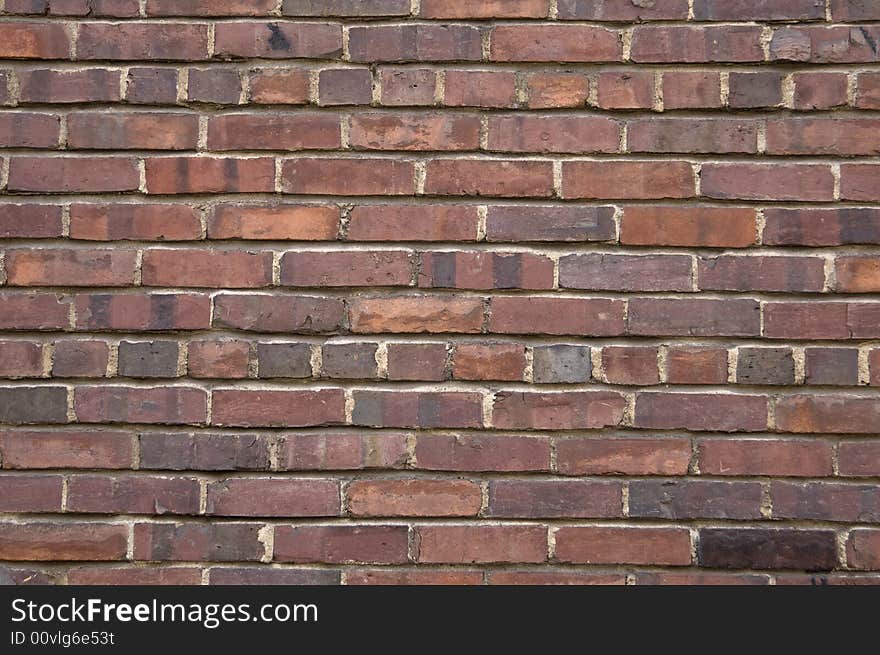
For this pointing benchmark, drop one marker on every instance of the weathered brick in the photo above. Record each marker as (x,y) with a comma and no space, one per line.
(278,40)
(23,405)
(567,410)
(142,41)
(630,545)
(696,365)
(831,366)
(764,10)
(693,317)
(712,227)
(206,268)
(203,452)
(754,90)
(279,86)
(72,174)
(169,405)
(485,270)
(21,359)
(825,501)
(693,499)
(148,359)
(563,43)
(170,175)
(291,314)
(622,10)
(489,177)
(71,541)
(701,412)
(825,45)
(274,222)
(858,458)
(554,499)
(484,544)
(691,90)
(819,90)
(863,549)
(607,272)
(687,44)
(416,314)
(399,576)
(345,86)
(414,132)
(141,222)
(558,223)
(258,408)
(214,85)
(143,311)
(859,182)
(349,360)
(272,497)
(765,366)
(487,9)
(177,575)
(413,223)
(81,358)
(418,42)
(768,457)
(30,493)
(836,414)
(745,548)
(407,86)
(627,179)
(65,449)
(552,90)
(482,453)
(633,365)
(217,359)
(29,130)
(29,221)
(626,90)
(350,452)
(604,456)
(488,361)
(151,86)
(733,273)
(417,409)
(270,576)
(803,182)
(687,135)
(532,134)
(34,40)
(348,177)
(337,544)
(414,497)
(68,267)
(538,315)
(132,494)
(189,542)
(334,8)
(417,361)
(561,363)
(346,268)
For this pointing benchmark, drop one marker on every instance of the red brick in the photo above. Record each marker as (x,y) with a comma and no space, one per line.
(695,499)
(274,132)
(687,44)
(630,545)
(819,90)
(537,315)
(292,314)
(696,365)
(764,10)
(142,41)
(488,361)
(604,456)
(30,221)
(30,493)
(65,86)
(416,314)
(701,578)
(345,86)
(826,413)
(556,223)
(626,90)
(701,412)
(765,457)
(72,174)
(837,44)
(33,40)
(755,90)
(348,177)
(151,86)
(70,268)
(136,222)
(130,494)
(813,320)
(29,130)
(622,10)
(825,501)
(203,452)
(847,10)
(143,311)
(336,8)
(748,548)
(65,450)
(414,132)
(485,270)
(278,40)
(627,179)
(552,134)
(259,408)
(397,576)
(195,542)
(206,268)
(489,177)
(482,453)
(479,89)
(859,182)
(858,274)
(693,317)
(734,273)
(417,361)
(821,227)
(71,541)
(599,271)
(210,8)
(103,576)
(218,359)
(349,452)
(633,365)
(407,86)
(272,497)
(567,410)
(28,311)
(414,409)
(274,222)
(21,359)
(863,549)
(140,131)
(691,90)
(713,227)
(552,90)
(413,223)
(822,136)
(687,135)
(561,43)
(337,544)
(485,9)
(414,497)
(279,86)
(417,42)
(263,575)
(868,91)
(804,182)
(857,458)
(555,499)
(484,544)
(169,175)
(553,577)
(214,85)
(171,405)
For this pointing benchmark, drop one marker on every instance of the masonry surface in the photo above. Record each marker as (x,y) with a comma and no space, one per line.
(481,292)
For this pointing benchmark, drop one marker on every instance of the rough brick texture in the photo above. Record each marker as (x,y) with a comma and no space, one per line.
(471,292)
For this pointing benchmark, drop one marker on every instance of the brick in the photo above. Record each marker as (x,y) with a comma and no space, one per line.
(30,493)
(29,311)
(292,314)
(140,131)
(846,10)
(489,9)
(170,175)
(142,41)
(825,501)
(556,90)
(272,497)
(268,576)
(693,317)
(486,177)
(856,458)
(741,548)
(417,361)
(416,314)
(604,456)
(397,576)
(603,272)
(284,360)
(574,316)
(804,182)
(819,90)
(151,86)
(627,179)
(627,90)
(687,135)
(765,457)
(140,222)
(258,408)
(819,136)
(43,85)
(407,86)
(765,366)
(34,40)
(203,452)
(279,86)
(806,321)
(485,270)
(701,412)
(176,576)
(863,549)
(473,453)
(414,132)
(691,90)
(632,365)
(217,359)
(553,134)
(21,359)
(561,364)
(417,409)
(857,274)
(196,542)
(702,579)
(418,42)
(821,227)
(93,449)
(696,365)
(687,44)
(345,86)
(168,405)
(338,544)
(30,221)
(349,452)
(622,10)
(554,499)
(859,182)
(23,405)
(712,227)
(831,366)
(827,413)
(71,541)
(80,358)
(206,268)
(868,91)
(733,273)
(755,90)
(274,222)
(553,577)
(334,8)
(567,410)
(148,359)
(562,43)
(824,45)
(29,130)
(413,223)
(70,268)
(214,85)
(210,8)
(454,544)
(348,177)
(874,367)
(764,10)
(143,311)
(488,361)
(559,223)
(278,40)
(693,499)
(349,360)
(414,497)
(629,545)
(130,494)
(72,174)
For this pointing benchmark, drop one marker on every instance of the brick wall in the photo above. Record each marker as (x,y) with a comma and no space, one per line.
(505,291)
